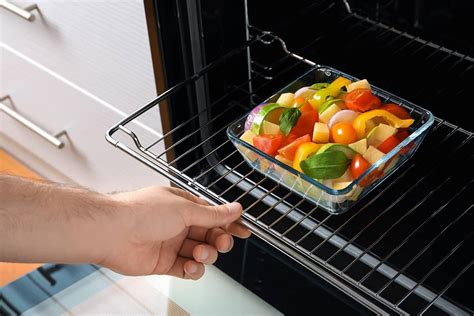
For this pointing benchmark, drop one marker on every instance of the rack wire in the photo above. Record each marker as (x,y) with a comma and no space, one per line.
(404,248)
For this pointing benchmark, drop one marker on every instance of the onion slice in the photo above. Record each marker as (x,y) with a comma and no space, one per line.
(346,116)
(305,92)
(251,116)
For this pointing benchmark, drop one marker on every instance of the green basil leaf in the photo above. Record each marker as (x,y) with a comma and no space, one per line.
(326,165)
(288,120)
(319,85)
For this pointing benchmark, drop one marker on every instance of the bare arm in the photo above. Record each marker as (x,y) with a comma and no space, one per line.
(154,230)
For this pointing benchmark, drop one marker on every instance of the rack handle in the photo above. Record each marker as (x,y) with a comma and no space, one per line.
(22,12)
(52,139)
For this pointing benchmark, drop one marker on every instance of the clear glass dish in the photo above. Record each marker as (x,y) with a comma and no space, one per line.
(331,200)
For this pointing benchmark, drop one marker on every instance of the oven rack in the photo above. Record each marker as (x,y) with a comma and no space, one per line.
(196,155)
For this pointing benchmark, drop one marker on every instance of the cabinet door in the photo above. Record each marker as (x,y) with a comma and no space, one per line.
(53,105)
(100,46)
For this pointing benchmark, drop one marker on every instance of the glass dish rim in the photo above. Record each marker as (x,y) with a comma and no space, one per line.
(415,134)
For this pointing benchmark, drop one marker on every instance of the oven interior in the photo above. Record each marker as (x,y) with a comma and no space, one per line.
(407,246)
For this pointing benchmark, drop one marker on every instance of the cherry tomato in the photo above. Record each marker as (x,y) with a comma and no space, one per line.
(358,166)
(343,133)
(269,144)
(361,100)
(396,110)
(304,105)
(289,150)
(305,123)
(388,144)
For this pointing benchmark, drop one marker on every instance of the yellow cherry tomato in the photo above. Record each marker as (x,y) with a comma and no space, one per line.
(343,133)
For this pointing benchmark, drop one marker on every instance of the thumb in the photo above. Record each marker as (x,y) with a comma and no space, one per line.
(213,216)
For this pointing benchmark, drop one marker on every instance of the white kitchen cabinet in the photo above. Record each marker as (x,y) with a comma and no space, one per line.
(86,157)
(100,46)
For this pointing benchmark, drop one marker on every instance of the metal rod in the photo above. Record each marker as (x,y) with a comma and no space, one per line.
(399,177)
(447,287)
(432,45)
(205,156)
(253,187)
(52,139)
(313,229)
(199,144)
(422,251)
(259,199)
(404,241)
(212,105)
(235,183)
(308,214)
(196,131)
(449,254)
(21,12)
(356,213)
(225,174)
(272,206)
(284,215)
(212,167)
(392,226)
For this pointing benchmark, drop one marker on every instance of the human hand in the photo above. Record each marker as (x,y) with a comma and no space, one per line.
(166,230)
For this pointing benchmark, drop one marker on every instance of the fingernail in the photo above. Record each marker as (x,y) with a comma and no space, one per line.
(204,254)
(192,268)
(234,207)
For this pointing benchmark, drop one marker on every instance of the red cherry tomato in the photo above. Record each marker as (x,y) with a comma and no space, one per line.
(358,166)
(396,110)
(305,123)
(343,133)
(361,100)
(269,144)
(388,144)
(289,150)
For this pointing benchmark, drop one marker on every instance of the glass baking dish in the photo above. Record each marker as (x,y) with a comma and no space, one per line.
(331,200)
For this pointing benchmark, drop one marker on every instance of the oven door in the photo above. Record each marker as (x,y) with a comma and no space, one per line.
(405,247)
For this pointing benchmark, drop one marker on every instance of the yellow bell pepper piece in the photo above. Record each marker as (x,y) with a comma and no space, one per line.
(336,86)
(360,123)
(303,151)
(333,90)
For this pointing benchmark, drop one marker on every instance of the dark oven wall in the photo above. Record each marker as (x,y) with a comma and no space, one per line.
(418,222)
(437,78)
(415,70)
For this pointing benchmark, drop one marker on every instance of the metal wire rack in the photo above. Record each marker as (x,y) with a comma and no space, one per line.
(405,248)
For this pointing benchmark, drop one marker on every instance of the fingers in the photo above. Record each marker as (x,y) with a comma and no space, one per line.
(235,229)
(202,253)
(224,243)
(216,237)
(212,216)
(238,230)
(185,268)
(188,196)
(221,240)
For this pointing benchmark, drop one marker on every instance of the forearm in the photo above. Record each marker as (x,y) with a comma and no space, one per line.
(41,222)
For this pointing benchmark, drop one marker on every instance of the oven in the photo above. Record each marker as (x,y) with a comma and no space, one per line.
(404,248)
